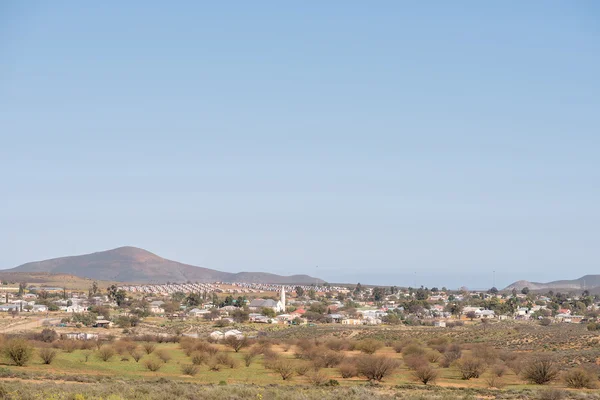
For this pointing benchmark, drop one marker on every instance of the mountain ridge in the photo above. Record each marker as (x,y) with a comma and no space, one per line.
(132,264)
(585,282)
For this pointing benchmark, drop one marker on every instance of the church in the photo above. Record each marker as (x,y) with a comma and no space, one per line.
(257,305)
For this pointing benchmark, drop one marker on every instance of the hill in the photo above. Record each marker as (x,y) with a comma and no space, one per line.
(585,282)
(47,279)
(131,264)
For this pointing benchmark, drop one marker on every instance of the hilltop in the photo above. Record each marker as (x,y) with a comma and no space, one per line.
(585,282)
(132,264)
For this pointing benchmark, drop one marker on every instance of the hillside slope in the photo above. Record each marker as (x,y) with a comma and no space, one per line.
(131,264)
(585,282)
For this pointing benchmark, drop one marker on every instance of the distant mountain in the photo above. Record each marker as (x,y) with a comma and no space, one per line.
(131,264)
(585,282)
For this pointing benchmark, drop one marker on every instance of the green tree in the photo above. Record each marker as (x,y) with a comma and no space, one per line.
(299,291)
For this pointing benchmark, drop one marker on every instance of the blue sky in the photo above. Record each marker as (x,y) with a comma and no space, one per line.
(387,143)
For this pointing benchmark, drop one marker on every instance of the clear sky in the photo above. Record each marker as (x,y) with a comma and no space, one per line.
(405,143)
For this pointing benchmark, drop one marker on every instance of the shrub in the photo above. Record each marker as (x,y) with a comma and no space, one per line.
(285,368)
(189,369)
(375,368)
(152,364)
(494,381)
(199,358)
(236,343)
(434,356)
(486,353)
(425,374)
(540,370)
(336,344)
(68,346)
(470,367)
(163,355)
(19,351)
(415,361)
(317,378)
(149,347)
(452,353)
(47,355)
(48,335)
(348,370)
(499,370)
(327,359)
(369,346)
(136,354)
(579,378)
(545,321)
(213,364)
(248,358)
(105,353)
(413,349)
(226,359)
(552,394)
(302,369)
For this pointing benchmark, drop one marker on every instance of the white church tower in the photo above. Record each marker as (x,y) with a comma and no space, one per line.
(282,298)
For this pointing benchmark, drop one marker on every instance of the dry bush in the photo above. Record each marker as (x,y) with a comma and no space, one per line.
(68,346)
(226,359)
(494,381)
(105,353)
(415,361)
(506,355)
(136,354)
(236,343)
(87,344)
(19,351)
(47,355)
(369,346)
(439,343)
(336,344)
(163,355)
(426,374)
(453,352)
(86,356)
(485,352)
(579,378)
(285,368)
(248,358)
(317,378)
(470,367)
(434,356)
(149,347)
(348,370)
(189,369)
(124,346)
(540,370)
(152,364)
(413,349)
(516,365)
(499,370)
(213,364)
(375,368)
(327,359)
(199,358)
(285,347)
(302,369)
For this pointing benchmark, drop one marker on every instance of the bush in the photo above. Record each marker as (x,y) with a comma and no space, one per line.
(579,378)
(317,378)
(248,358)
(470,367)
(494,381)
(425,374)
(226,359)
(105,353)
(499,370)
(47,355)
(19,351)
(413,349)
(48,335)
(451,354)
(302,369)
(434,356)
(189,369)
(152,364)
(540,370)
(348,370)
(552,394)
(213,364)
(149,347)
(486,353)
(199,358)
(163,355)
(375,368)
(369,346)
(68,346)
(285,368)
(545,321)
(136,354)
(336,344)
(415,361)
(236,343)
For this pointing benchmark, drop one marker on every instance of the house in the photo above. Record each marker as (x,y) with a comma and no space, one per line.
(233,332)
(277,306)
(102,323)
(39,308)
(9,307)
(259,318)
(351,321)
(439,324)
(196,312)
(156,307)
(81,336)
